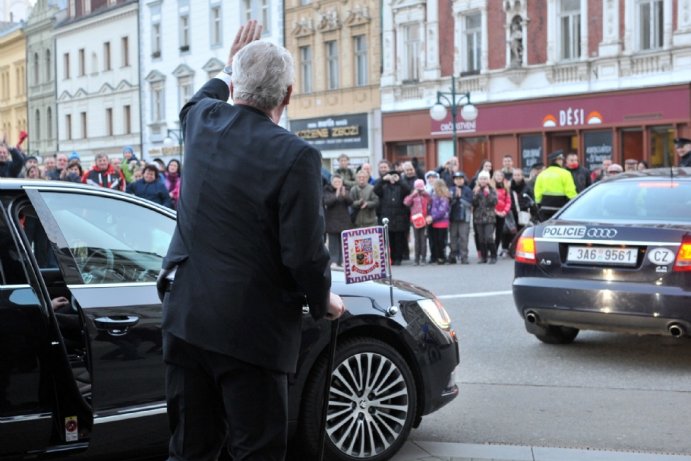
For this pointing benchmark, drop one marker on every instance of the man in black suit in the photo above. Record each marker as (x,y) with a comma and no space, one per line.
(246,254)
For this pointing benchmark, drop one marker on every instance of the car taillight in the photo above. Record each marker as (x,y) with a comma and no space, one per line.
(683,261)
(525,250)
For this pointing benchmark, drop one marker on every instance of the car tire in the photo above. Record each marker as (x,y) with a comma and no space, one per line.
(553,334)
(361,424)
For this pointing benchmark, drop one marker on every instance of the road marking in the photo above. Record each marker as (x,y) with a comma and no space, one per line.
(476,295)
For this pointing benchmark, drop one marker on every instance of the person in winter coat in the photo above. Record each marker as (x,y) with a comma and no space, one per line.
(73,172)
(502,208)
(418,201)
(391,191)
(521,200)
(104,175)
(336,217)
(11,161)
(150,188)
(127,156)
(581,176)
(438,221)
(172,178)
(365,202)
(461,212)
(345,172)
(484,217)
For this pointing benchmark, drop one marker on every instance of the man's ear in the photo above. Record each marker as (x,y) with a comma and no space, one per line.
(286,100)
(231,90)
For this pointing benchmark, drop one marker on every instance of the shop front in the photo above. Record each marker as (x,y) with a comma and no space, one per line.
(335,135)
(634,124)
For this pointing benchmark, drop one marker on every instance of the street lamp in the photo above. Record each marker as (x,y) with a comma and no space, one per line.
(453,100)
(179,137)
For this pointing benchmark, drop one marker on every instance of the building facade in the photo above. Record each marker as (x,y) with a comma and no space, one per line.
(183,44)
(40,59)
(97,78)
(13,103)
(603,78)
(336,99)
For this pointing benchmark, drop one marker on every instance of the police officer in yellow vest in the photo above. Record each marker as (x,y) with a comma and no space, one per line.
(554,187)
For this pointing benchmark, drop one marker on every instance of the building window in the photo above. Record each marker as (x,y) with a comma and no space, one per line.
(36,69)
(184,33)
(185,90)
(49,123)
(109,121)
(48,65)
(257,9)
(216,26)
(85,132)
(66,65)
(157,102)
(570,33)
(86,7)
(156,40)
(411,52)
(306,68)
(360,49)
(332,64)
(82,63)
(37,121)
(106,56)
(473,43)
(127,115)
(651,29)
(68,127)
(125,45)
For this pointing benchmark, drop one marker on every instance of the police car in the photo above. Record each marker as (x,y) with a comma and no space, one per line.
(616,258)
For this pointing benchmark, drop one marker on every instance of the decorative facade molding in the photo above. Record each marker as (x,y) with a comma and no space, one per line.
(358,15)
(329,21)
(304,27)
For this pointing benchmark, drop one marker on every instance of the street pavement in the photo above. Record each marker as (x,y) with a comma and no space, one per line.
(449,434)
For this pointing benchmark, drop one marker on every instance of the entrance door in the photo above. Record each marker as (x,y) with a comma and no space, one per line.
(41,409)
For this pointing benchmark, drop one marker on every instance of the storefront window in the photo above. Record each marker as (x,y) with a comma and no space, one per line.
(444,151)
(473,152)
(597,147)
(531,151)
(407,151)
(632,145)
(661,146)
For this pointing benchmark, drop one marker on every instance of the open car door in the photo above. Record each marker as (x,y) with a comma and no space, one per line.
(41,407)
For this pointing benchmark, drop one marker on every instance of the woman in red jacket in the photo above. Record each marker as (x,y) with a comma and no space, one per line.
(502,208)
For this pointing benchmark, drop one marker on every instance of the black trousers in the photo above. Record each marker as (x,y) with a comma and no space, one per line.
(215,400)
(397,241)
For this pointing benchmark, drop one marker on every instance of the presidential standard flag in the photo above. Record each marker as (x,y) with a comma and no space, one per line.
(364,254)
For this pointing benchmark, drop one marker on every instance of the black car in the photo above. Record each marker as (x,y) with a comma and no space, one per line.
(616,258)
(85,379)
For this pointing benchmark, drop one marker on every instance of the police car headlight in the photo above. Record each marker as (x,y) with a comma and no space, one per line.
(436,312)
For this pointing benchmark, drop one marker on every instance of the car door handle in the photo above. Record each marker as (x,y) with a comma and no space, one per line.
(116,322)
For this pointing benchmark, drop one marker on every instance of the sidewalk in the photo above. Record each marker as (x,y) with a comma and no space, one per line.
(441,451)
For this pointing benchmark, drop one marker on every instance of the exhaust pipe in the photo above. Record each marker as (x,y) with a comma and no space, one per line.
(531,317)
(676,330)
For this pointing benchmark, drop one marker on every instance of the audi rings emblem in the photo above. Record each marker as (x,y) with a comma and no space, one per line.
(601,232)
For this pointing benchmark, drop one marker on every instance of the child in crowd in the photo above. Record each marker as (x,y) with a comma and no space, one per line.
(418,201)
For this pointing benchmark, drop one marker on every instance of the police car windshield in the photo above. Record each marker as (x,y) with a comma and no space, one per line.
(631,200)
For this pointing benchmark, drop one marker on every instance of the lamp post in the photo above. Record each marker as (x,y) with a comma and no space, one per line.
(453,100)
(179,137)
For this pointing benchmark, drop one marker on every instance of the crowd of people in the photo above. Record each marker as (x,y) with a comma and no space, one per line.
(437,210)
(155,181)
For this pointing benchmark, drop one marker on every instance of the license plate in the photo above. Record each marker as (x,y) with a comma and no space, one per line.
(602,255)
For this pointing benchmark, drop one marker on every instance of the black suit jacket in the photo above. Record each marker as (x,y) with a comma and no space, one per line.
(248,244)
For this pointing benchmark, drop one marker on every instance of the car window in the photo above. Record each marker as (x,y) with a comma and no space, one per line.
(662,200)
(111,240)
(11,267)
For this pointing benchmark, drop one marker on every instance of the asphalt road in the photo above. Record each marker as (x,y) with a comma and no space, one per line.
(605,391)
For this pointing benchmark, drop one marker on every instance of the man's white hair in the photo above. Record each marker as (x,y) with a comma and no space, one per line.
(262,72)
